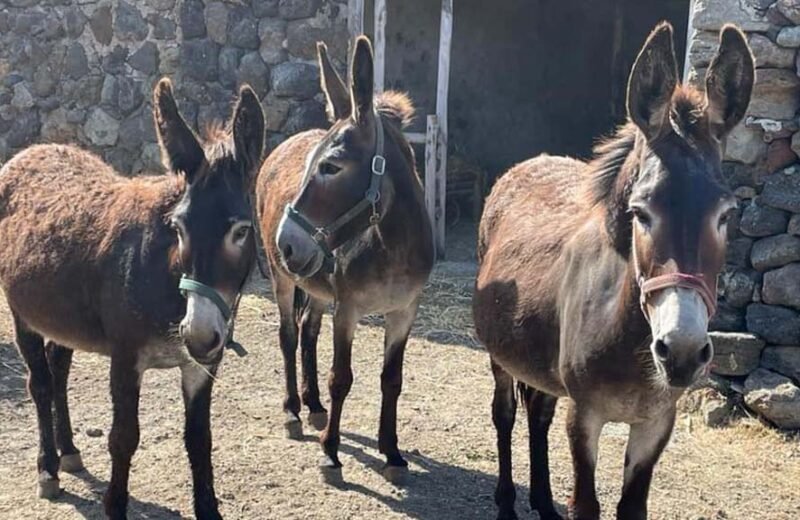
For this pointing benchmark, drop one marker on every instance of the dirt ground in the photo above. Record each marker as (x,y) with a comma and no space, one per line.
(745,471)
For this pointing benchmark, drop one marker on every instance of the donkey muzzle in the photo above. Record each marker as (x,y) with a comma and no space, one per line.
(300,253)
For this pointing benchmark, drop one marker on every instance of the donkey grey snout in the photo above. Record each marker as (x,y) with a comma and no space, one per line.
(203,329)
(682,357)
(299,252)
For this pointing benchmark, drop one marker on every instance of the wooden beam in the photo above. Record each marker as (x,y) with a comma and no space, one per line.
(416,137)
(442,92)
(379,44)
(432,137)
(355,26)
(689,35)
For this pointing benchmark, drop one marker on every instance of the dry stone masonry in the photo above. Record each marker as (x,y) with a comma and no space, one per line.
(83,71)
(757,328)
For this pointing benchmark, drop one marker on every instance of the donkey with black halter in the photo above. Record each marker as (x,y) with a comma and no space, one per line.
(143,270)
(343,219)
(597,280)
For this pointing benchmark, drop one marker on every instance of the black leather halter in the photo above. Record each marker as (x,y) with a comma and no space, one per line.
(320,235)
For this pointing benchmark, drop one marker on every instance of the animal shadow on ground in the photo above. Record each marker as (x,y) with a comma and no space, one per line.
(13,374)
(92,508)
(434,490)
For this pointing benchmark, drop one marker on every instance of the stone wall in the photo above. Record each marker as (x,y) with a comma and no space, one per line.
(82,71)
(758,340)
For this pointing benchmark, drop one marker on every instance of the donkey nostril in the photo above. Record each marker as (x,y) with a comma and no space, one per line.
(705,353)
(662,350)
(287,252)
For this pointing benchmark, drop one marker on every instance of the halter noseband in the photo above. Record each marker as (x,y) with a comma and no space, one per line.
(320,235)
(696,282)
(188,285)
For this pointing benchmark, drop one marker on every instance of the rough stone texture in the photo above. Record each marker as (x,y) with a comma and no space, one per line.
(782,286)
(727,319)
(768,54)
(735,354)
(789,37)
(738,253)
(715,407)
(784,360)
(780,155)
(295,79)
(82,72)
(760,221)
(736,287)
(777,325)
(101,128)
(794,225)
(774,397)
(711,15)
(782,190)
(796,143)
(776,94)
(744,145)
(775,251)
(293,9)
(790,9)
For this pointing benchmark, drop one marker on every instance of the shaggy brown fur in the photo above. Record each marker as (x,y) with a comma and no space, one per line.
(556,298)
(90,260)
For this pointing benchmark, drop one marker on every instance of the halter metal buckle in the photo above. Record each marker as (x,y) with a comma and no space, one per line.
(378,165)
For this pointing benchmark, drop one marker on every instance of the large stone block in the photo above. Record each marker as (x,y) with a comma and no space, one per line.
(782,190)
(727,319)
(711,15)
(272,33)
(736,287)
(244,30)
(776,94)
(304,116)
(292,9)
(789,37)
(100,23)
(101,128)
(768,54)
(216,14)
(200,59)
(302,37)
(761,221)
(295,79)
(735,353)
(745,145)
(774,397)
(782,286)
(129,24)
(145,59)
(790,9)
(191,19)
(777,325)
(255,72)
(784,360)
(775,251)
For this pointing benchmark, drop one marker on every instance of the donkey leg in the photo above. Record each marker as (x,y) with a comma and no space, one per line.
(646,441)
(284,295)
(504,411)
(398,326)
(309,332)
(60,359)
(197,384)
(540,407)
(40,387)
(583,430)
(124,437)
(339,382)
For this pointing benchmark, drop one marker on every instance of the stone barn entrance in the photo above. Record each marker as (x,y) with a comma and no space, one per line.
(526,76)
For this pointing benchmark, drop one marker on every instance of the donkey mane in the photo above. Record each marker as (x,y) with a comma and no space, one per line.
(608,178)
(396,106)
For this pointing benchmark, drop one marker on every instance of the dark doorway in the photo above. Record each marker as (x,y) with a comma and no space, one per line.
(527,76)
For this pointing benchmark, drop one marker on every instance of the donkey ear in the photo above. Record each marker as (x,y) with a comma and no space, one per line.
(338,99)
(180,149)
(729,81)
(362,80)
(652,82)
(248,129)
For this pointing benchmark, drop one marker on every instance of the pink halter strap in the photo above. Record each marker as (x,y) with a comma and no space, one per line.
(688,281)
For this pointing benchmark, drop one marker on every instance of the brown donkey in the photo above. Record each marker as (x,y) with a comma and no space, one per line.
(597,280)
(343,219)
(91,260)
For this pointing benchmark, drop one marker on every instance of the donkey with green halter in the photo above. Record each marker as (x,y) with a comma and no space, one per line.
(343,219)
(143,270)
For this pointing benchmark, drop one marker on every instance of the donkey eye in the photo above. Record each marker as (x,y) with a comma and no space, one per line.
(641,216)
(328,168)
(724,218)
(240,234)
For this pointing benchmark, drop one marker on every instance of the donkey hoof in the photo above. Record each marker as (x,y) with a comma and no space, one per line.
(294,427)
(71,463)
(48,486)
(330,473)
(319,420)
(397,475)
